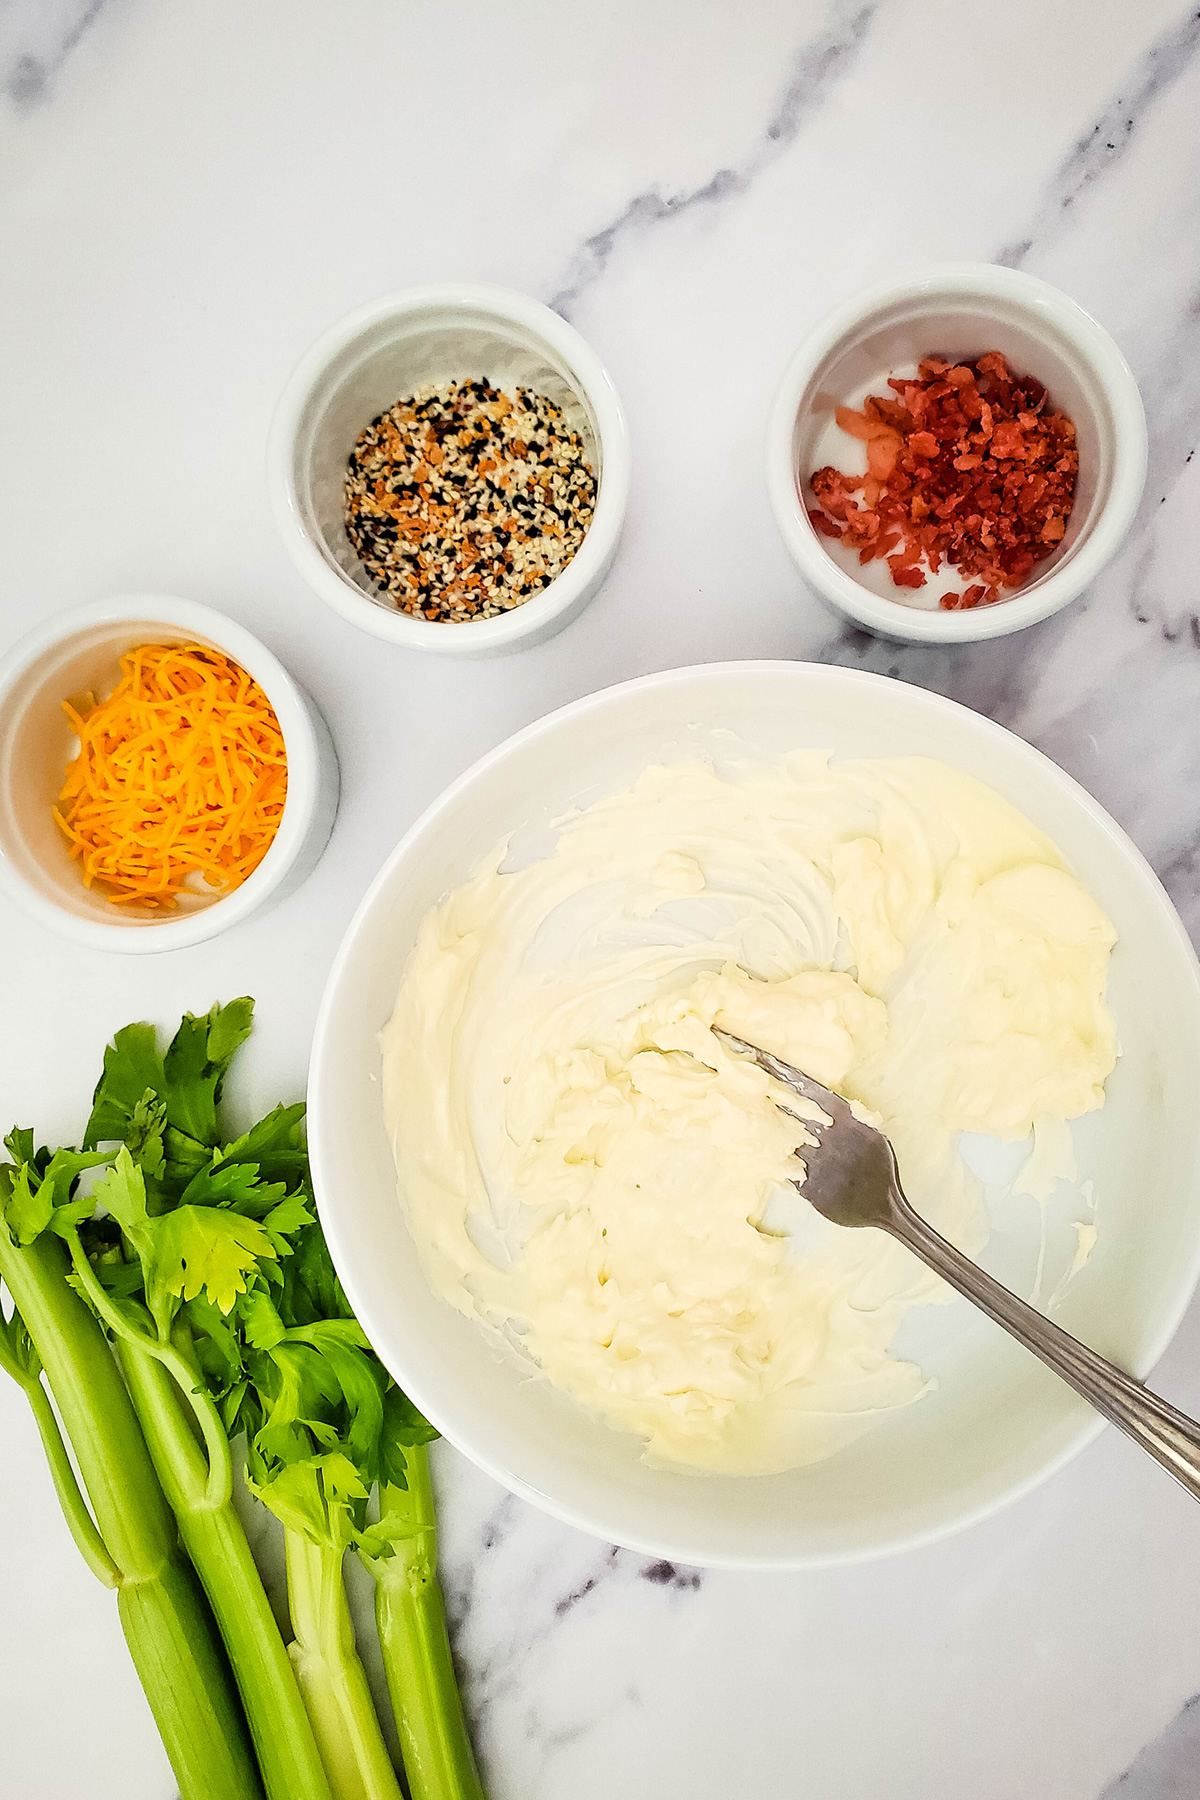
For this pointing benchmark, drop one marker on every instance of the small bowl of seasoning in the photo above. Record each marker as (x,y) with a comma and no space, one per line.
(162,776)
(956,456)
(449,469)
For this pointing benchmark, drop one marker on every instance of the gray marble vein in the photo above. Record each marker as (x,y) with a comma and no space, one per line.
(1170,387)
(581,1589)
(35,42)
(1169,1767)
(817,66)
(674,1576)
(1111,136)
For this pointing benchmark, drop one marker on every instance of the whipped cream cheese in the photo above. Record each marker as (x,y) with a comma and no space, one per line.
(588,1172)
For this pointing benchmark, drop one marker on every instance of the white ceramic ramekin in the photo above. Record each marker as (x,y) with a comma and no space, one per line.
(79,651)
(961,311)
(362,366)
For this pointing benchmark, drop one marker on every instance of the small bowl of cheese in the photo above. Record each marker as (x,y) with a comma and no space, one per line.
(161,775)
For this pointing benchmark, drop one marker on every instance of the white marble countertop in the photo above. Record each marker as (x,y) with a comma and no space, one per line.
(188,195)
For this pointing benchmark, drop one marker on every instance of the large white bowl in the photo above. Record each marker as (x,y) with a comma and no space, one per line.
(998,1422)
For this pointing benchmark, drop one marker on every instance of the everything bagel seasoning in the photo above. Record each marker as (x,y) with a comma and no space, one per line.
(463,502)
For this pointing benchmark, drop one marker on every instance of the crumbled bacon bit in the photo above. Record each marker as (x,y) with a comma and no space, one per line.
(824,525)
(967,464)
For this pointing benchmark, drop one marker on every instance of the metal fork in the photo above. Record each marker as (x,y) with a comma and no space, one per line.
(853,1180)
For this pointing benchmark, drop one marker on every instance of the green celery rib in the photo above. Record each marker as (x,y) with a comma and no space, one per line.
(216,1542)
(411,1616)
(169,1630)
(80,1523)
(167,1626)
(332,1678)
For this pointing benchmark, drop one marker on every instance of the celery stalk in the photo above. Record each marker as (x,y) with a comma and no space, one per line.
(170,1635)
(79,1520)
(215,1540)
(411,1617)
(167,1626)
(332,1678)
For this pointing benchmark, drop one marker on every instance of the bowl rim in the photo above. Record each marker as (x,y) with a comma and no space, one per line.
(980,281)
(335,1220)
(506,306)
(300,742)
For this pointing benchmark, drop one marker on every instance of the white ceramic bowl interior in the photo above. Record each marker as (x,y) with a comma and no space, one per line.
(960,312)
(78,652)
(998,1422)
(390,348)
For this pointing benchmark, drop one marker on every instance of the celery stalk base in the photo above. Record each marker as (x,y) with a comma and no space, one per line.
(411,1615)
(331,1675)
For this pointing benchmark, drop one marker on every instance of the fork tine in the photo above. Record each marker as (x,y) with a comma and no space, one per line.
(801,1084)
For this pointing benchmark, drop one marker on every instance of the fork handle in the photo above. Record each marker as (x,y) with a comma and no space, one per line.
(1169,1435)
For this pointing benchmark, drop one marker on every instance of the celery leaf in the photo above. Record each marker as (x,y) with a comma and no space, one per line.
(19,1144)
(122,1194)
(27,1209)
(203,1249)
(276,1144)
(315,1497)
(18,1357)
(403,1429)
(36,1194)
(195,1064)
(187,1081)
(144,1136)
(131,1066)
(237,1186)
(260,1321)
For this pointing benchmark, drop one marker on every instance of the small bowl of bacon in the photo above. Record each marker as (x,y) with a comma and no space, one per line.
(956,456)
(161,775)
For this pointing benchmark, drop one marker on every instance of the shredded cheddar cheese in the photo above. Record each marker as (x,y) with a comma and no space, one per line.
(180,780)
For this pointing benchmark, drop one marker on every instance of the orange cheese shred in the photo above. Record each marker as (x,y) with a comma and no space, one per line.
(180,781)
